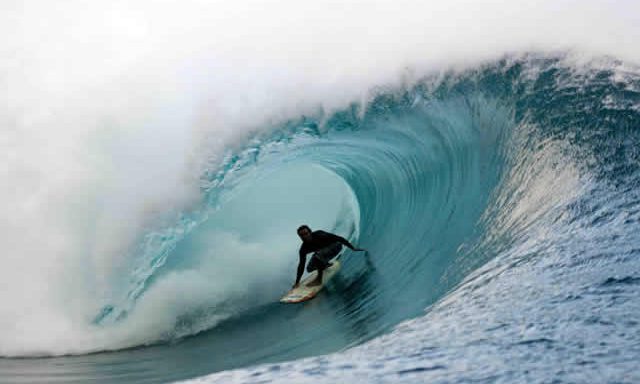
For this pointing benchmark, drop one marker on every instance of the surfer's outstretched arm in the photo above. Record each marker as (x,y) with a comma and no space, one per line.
(346,242)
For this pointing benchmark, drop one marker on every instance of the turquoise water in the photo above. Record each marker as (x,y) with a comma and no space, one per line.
(491,202)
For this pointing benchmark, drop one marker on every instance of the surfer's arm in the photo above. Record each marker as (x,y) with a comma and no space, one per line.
(301,263)
(346,242)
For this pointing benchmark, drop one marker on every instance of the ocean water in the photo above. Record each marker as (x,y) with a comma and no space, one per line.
(151,230)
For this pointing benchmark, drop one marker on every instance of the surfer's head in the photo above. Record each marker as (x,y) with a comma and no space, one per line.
(304,232)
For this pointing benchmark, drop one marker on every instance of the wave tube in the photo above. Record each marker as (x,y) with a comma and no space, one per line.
(407,179)
(434,179)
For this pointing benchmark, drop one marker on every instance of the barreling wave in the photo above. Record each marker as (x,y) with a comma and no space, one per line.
(419,168)
(435,178)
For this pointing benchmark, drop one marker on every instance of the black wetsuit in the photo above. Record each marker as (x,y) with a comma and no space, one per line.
(325,245)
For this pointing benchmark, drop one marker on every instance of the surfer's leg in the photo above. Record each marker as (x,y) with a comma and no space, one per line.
(318,279)
(328,253)
(316,264)
(321,261)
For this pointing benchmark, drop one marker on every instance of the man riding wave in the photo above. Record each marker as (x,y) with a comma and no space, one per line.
(325,246)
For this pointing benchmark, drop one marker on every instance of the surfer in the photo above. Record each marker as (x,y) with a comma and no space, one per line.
(325,246)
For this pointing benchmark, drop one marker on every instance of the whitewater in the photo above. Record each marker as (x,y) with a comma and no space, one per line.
(160,156)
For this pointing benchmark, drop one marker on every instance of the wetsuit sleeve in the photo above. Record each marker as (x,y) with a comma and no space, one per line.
(303,260)
(342,240)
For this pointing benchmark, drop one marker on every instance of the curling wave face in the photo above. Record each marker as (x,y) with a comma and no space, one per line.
(434,179)
(408,180)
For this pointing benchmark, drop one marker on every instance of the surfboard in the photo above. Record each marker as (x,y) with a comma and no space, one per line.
(303,292)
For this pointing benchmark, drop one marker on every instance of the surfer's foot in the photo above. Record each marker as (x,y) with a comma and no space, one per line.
(315,283)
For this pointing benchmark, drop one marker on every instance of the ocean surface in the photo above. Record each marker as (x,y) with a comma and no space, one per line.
(160,158)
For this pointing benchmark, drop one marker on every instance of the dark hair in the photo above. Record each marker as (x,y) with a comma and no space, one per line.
(303,226)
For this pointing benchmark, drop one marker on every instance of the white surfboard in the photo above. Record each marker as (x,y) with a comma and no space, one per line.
(304,292)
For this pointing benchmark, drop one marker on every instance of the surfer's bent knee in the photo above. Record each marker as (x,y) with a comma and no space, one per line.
(320,259)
